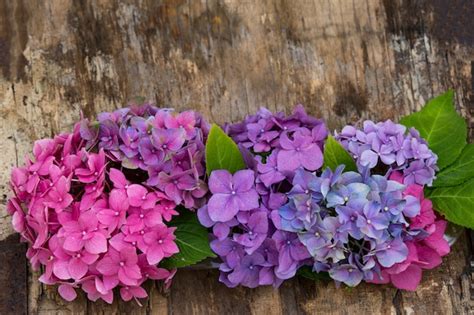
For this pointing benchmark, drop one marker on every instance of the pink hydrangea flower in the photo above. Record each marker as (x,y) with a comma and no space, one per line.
(85,222)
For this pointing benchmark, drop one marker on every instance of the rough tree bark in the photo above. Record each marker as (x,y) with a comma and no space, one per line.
(344,60)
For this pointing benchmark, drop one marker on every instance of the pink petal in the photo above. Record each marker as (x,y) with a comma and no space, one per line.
(139,292)
(170,248)
(107,266)
(97,244)
(110,282)
(118,178)
(428,257)
(125,279)
(408,279)
(73,244)
(77,268)
(125,294)
(133,272)
(67,292)
(135,194)
(154,254)
(118,200)
(60,270)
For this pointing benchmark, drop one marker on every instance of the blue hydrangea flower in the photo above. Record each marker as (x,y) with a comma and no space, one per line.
(353,226)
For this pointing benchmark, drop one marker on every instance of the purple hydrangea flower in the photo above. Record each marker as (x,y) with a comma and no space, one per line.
(165,149)
(243,208)
(389,145)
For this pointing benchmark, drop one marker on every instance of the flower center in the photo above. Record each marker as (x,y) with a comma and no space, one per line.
(84,233)
(346,199)
(251,267)
(116,213)
(386,208)
(142,215)
(369,221)
(317,234)
(288,242)
(164,146)
(233,192)
(350,270)
(160,241)
(389,246)
(96,173)
(142,232)
(122,264)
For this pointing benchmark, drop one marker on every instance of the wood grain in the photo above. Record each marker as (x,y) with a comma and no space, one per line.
(345,60)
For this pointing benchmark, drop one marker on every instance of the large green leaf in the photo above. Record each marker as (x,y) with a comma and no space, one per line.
(443,128)
(335,155)
(456,202)
(192,240)
(460,171)
(222,153)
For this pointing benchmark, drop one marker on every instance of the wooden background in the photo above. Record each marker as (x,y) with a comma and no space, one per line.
(343,59)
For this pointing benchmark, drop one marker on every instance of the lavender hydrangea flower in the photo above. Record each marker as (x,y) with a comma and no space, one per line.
(164,148)
(247,233)
(357,227)
(231,194)
(389,145)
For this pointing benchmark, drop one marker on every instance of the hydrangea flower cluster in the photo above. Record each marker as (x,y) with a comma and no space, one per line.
(243,208)
(87,226)
(167,148)
(424,250)
(351,224)
(388,147)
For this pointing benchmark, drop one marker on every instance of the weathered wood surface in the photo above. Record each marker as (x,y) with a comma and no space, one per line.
(344,60)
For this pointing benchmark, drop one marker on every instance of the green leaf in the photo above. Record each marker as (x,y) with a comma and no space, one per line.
(192,240)
(308,273)
(222,153)
(335,155)
(456,203)
(458,172)
(443,128)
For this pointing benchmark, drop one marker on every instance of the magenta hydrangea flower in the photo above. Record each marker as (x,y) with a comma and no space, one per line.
(88,223)
(166,149)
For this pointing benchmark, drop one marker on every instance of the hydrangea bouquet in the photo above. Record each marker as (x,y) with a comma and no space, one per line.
(141,192)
